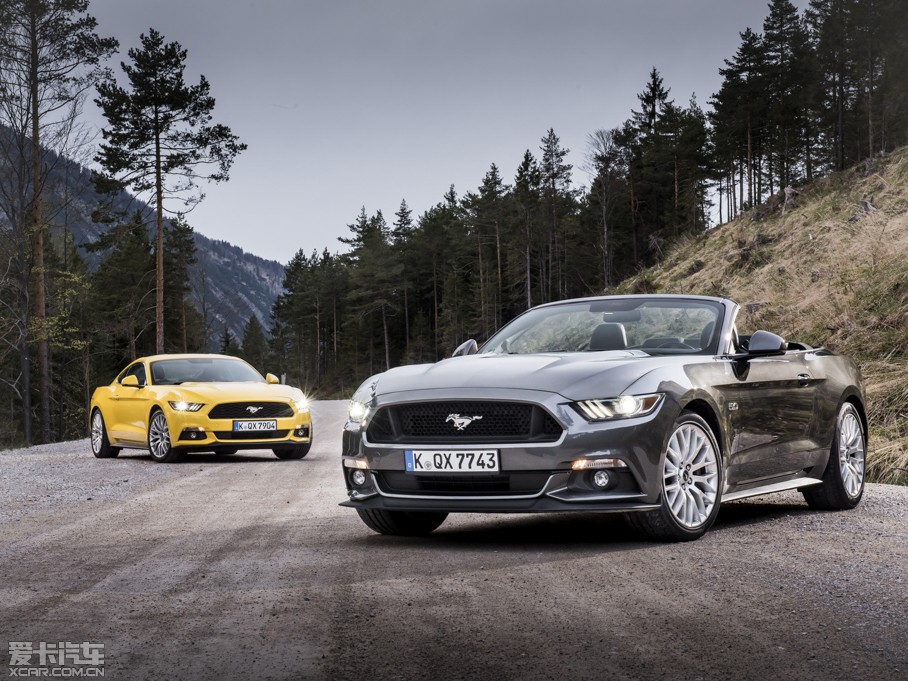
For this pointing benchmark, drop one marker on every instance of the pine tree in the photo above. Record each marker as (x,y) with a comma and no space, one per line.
(375,275)
(123,287)
(160,138)
(557,199)
(527,187)
(605,195)
(400,241)
(255,346)
(179,257)
(738,119)
(227,344)
(788,67)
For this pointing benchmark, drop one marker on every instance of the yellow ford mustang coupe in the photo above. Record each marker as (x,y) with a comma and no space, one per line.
(172,404)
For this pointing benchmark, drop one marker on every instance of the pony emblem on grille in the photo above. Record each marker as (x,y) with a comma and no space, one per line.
(253,409)
(461,422)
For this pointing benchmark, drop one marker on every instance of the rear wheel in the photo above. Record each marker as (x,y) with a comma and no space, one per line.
(405,523)
(692,478)
(294,452)
(100,445)
(159,439)
(843,478)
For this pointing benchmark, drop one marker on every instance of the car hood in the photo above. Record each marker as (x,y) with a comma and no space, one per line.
(574,376)
(235,391)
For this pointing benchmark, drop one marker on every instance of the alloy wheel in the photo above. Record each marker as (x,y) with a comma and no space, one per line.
(97,432)
(851,454)
(158,436)
(690,476)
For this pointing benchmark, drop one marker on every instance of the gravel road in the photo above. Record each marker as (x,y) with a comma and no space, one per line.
(244,567)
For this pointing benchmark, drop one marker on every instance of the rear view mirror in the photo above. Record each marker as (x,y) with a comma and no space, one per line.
(130,381)
(621,316)
(271,378)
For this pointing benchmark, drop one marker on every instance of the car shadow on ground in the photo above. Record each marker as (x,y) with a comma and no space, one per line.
(249,456)
(753,512)
(599,530)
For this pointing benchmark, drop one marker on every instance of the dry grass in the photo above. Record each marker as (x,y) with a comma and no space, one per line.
(827,271)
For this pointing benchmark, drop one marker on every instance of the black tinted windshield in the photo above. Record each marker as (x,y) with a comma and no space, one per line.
(202,370)
(655,326)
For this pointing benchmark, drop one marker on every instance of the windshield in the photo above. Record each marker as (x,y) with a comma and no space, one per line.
(657,326)
(202,370)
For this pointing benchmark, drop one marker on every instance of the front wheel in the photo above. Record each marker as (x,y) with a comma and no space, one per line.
(692,478)
(159,439)
(100,444)
(404,523)
(843,478)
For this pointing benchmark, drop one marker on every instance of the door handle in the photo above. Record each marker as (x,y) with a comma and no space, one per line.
(804,379)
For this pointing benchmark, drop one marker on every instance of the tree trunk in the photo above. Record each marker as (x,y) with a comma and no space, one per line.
(384,323)
(159,244)
(750,165)
(529,273)
(603,202)
(500,291)
(38,229)
(24,357)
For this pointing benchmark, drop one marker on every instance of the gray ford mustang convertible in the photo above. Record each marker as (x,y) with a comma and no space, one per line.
(649,405)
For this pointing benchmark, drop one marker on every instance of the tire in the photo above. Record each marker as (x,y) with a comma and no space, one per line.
(402,523)
(100,445)
(692,479)
(843,478)
(159,445)
(294,452)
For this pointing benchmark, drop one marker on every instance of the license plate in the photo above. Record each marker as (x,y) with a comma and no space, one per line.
(436,461)
(252,426)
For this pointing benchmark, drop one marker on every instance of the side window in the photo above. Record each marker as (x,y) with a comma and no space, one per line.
(137,370)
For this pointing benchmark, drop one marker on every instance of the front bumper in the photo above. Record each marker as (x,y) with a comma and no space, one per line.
(534,477)
(195,432)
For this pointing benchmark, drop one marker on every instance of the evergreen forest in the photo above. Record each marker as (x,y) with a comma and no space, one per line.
(805,94)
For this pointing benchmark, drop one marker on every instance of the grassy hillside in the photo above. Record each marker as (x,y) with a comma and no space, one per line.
(831,269)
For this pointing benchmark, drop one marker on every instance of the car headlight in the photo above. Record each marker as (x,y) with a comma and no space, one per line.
(182,405)
(358,411)
(624,407)
(301,403)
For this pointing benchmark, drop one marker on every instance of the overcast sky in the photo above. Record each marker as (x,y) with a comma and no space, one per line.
(350,103)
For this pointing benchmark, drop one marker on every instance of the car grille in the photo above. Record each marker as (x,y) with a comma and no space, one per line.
(251,435)
(504,484)
(241,410)
(488,422)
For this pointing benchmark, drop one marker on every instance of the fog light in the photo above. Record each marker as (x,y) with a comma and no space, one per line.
(301,431)
(601,478)
(358,478)
(193,434)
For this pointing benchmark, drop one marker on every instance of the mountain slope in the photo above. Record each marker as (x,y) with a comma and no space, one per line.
(228,284)
(831,269)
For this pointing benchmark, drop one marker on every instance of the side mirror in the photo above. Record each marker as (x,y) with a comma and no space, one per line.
(130,382)
(764,343)
(271,379)
(470,347)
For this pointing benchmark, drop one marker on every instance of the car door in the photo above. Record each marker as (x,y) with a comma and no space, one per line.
(130,406)
(770,402)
